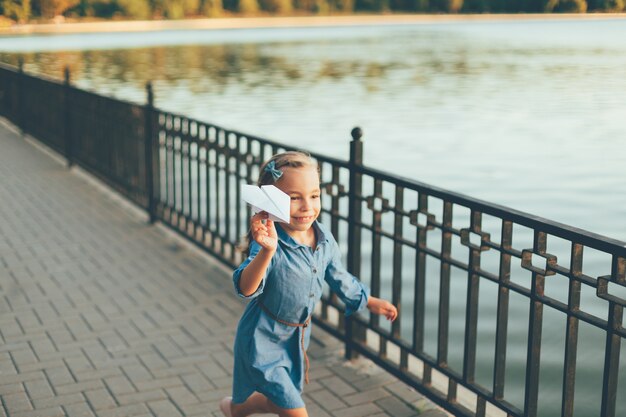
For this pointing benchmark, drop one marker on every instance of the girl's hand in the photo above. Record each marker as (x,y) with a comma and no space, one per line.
(383,307)
(264,234)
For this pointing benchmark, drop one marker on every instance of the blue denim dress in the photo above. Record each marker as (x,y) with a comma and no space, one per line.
(268,354)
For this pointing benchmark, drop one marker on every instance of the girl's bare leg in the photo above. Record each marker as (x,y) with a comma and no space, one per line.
(259,403)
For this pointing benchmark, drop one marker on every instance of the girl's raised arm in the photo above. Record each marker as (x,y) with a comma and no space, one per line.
(265,235)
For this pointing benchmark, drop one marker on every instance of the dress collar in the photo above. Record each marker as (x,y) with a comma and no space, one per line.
(284,237)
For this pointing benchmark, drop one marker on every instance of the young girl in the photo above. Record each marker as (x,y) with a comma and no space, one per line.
(283,277)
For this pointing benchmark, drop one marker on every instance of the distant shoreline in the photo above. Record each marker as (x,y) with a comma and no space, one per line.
(264,22)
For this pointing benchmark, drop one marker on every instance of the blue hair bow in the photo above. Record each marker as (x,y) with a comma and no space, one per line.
(271,168)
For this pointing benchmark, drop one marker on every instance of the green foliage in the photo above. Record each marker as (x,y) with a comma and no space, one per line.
(97,8)
(178,9)
(453,6)
(212,8)
(476,6)
(372,5)
(248,6)
(276,6)
(447,6)
(23,10)
(174,9)
(566,6)
(607,5)
(137,9)
(19,10)
(346,6)
(50,8)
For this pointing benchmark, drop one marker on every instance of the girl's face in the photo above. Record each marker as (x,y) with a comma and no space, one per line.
(303,186)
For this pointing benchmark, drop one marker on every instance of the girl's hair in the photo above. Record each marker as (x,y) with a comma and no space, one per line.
(289,159)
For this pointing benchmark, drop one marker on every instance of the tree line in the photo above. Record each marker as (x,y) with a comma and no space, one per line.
(27,10)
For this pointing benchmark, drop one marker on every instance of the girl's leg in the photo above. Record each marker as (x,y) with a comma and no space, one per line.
(259,403)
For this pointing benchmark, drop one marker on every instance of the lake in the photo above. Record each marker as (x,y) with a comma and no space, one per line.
(527,114)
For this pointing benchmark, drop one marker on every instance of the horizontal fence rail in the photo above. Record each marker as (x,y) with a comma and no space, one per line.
(417,245)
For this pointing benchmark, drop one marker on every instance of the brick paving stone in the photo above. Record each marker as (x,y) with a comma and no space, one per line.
(140,397)
(169,382)
(104,315)
(92,385)
(434,413)
(119,385)
(366,396)
(337,386)
(358,411)
(131,410)
(17,401)
(327,400)
(58,400)
(396,407)
(403,391)
(47,412)
(164,408)
(78,410)
(59,376)
(39,388)
(100,399)
(182,396)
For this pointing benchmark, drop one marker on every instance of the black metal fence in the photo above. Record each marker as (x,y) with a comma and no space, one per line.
(456,267)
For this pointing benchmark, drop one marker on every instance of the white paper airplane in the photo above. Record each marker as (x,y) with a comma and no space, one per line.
(268,198)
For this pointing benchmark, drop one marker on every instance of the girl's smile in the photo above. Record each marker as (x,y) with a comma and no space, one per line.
(303,186)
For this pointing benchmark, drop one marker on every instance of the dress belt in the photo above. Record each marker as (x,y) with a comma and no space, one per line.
(303,326)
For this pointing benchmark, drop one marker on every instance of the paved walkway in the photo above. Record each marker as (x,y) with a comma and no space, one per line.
(104,315)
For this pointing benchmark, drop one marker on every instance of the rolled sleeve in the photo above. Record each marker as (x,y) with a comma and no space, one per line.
(254,250)
(350,290)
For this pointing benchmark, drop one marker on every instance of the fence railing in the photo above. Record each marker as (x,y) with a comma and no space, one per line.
(459,269)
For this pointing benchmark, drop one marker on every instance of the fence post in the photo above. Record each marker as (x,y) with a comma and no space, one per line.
(19,117)
(149,154)
(69,140)
(354,230)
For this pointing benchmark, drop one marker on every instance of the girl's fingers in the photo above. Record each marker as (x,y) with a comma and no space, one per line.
(258,218)
(270,227)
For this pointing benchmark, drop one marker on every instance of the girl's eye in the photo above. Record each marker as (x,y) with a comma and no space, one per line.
(295,198)
(315,196)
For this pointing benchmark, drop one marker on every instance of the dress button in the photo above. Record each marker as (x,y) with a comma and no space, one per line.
(315,270)
(311,295)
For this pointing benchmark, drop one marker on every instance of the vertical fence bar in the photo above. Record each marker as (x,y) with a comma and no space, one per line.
(207,184)
(174,208)
(419,305)
(613,343)
(218,221)
(376,251)
(20,96)
(227,192)
(503,310)
(471,313)
(334,225)
(444,289)
(396,292)
(67,122)
(354,227)
(181,211)
(168,140)
(189,173)
(535,324)
(571,333)
(150,153)
(198,224)
(239,164)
